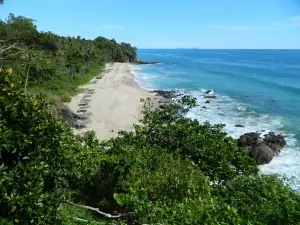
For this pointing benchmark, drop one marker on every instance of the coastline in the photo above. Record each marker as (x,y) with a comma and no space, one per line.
(111,102)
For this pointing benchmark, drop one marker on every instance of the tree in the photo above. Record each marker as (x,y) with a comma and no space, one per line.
(9,50)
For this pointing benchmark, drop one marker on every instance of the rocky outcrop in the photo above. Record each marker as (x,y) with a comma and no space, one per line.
(165,94)
(67,115)
(138,62)
(262,149)
(209,92)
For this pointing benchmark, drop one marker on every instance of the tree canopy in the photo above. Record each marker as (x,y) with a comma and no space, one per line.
(45,57)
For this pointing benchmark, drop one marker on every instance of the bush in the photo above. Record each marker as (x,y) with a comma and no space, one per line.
(33,155)
(65,96)
(263,199)
(158,184)
(206,145)
(40,157)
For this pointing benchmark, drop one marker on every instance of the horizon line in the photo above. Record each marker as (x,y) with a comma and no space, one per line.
(218,48)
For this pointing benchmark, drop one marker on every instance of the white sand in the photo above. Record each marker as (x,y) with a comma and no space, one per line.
(115,104)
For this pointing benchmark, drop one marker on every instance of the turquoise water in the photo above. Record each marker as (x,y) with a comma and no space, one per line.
(257,88)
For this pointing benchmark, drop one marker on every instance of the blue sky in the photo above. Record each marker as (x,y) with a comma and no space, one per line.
(170,23)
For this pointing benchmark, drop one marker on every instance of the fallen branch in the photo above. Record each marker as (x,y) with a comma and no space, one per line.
(93,209)
(96,210)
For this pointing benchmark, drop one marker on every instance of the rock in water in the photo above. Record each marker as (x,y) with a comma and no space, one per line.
(210,97)
(208,92)
(262,153)
(263,150)
(164,94)
(139,62)
(239,125)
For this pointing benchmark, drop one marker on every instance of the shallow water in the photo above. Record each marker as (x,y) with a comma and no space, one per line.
(259,89)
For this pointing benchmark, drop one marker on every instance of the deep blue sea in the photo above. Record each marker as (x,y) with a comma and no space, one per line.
(257,88)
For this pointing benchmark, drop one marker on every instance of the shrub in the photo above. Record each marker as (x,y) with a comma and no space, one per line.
(40,157)
(65,96)
(262,199)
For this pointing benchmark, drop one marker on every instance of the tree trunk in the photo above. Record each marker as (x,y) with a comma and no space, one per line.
(27,74)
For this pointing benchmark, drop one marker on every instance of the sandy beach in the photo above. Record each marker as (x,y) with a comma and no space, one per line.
(112,103)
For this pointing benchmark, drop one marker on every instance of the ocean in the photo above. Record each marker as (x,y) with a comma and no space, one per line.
(259,89)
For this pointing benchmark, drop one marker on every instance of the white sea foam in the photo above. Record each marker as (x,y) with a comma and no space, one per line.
(140,77)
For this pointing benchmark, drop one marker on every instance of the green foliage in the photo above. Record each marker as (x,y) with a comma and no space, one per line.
(33,165)
(206,145)
(65,96)
(67,214)
(159,185)
(40,157)
(263,198)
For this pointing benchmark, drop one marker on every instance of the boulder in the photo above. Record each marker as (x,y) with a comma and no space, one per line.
(276,142)
(204,107)
(262,153)
(263,150)
(207,102)
(240,125)
(249,139)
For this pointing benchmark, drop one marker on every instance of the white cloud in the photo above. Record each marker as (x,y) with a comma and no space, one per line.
(111,27)
(295,21)
(238,28)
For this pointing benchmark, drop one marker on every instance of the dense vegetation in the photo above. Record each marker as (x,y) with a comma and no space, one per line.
(55,65)
(170,170)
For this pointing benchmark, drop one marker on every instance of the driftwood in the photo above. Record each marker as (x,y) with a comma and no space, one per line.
(93,209)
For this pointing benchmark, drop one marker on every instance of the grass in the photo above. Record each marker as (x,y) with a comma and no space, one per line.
(62,87)
(67,214)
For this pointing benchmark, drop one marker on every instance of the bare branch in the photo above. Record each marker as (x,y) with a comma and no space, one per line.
(7,51)
(7,48)
(93,209)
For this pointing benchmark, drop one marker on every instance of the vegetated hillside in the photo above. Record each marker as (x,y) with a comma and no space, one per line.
(55,65)
(170,170)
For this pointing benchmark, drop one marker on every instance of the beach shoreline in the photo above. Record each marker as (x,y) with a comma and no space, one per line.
(111,102)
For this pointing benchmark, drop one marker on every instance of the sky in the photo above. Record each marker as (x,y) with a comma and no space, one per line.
(210,24)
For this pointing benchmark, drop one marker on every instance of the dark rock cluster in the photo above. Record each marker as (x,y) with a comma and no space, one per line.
(262,149)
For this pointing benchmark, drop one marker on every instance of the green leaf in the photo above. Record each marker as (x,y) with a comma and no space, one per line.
(13,208)
(234,210)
